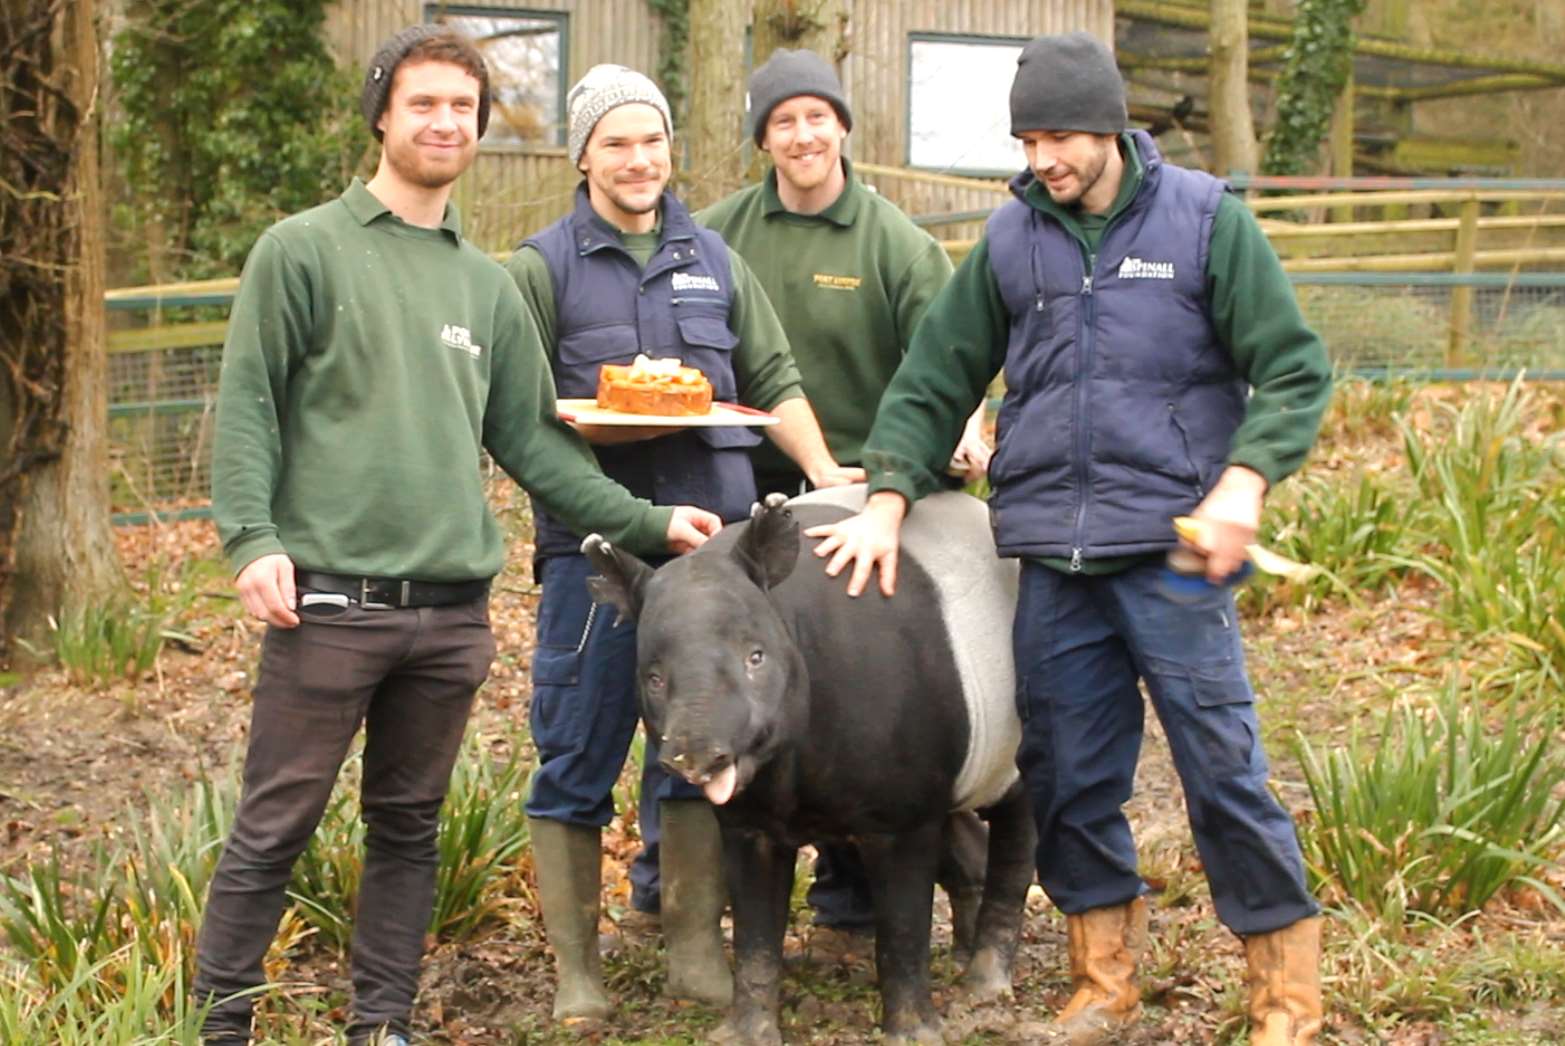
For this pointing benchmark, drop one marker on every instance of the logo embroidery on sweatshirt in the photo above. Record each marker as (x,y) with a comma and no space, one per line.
(1138,269)
(685,281)
(833,282)
(460,338)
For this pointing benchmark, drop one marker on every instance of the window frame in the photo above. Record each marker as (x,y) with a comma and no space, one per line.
(917,37)
(561,21)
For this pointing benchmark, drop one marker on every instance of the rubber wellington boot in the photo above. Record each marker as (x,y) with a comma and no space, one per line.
(567,858)
(690,868)
(1105,945)
(1285,1001)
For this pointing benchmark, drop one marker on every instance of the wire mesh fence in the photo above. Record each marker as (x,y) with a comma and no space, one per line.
(164,359)
(1417,322)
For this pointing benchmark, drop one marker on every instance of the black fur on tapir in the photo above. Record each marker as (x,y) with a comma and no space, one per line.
(807,715)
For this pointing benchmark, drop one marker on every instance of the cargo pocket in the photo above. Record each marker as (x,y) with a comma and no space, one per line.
(1220,707)
(558,715)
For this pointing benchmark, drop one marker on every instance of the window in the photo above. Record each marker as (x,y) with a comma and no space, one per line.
(959,103)
(526,54)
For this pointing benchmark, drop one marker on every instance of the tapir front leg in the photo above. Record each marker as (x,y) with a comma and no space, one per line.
(1012,841)
(760,883)
(901,871)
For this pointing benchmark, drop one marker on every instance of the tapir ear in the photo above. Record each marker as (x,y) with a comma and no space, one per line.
(622,579)
(769,547)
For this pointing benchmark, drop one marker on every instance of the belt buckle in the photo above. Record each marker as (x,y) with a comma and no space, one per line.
(366,603)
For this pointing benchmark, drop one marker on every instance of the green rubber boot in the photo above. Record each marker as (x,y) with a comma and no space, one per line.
(567,858)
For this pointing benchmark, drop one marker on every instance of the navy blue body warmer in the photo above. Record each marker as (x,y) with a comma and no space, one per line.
(608,309)
(1120,403)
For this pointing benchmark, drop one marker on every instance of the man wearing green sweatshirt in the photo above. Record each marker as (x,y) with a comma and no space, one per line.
(1156,366)
(850,276)
(373,355)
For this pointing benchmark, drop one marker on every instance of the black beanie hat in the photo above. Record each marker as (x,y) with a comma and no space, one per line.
(383,70)
(788,74)
(1067,82)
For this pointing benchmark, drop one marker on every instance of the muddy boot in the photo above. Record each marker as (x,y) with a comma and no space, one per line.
(567,858)
(1105,945)
(691,870)
(1285,1002)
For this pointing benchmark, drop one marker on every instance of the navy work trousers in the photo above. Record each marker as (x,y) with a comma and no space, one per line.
(584,713)
(408,677)
(1083,643)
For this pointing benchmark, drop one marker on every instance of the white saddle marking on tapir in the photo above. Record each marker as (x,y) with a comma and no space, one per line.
(948,535)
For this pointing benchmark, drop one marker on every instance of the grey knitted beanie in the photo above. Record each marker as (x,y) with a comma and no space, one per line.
(383,70)
(607,87)
(1067,82)
(788,74)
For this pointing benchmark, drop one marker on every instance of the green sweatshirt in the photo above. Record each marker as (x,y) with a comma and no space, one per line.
(764,371)
(961,346)
(368,364)
(850,284)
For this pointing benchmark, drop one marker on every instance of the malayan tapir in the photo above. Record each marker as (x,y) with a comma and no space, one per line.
(807,716)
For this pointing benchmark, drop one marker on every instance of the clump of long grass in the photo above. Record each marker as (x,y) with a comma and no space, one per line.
(108,946)
(1441,809)
(1493,533)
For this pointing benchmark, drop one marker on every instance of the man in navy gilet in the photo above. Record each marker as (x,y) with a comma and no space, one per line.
(1156,366)
(629,272)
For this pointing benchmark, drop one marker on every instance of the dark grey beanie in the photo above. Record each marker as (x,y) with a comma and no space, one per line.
(383,69)
(788,74)
(1067,82)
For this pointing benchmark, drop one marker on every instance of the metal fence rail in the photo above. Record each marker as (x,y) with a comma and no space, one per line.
(165,352)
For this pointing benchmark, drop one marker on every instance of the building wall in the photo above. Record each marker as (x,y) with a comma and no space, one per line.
(512,192)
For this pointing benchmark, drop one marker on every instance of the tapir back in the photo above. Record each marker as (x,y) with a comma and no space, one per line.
(947,538)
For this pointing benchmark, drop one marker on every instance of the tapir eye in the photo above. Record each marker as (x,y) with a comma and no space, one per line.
(755,658)
(654,681)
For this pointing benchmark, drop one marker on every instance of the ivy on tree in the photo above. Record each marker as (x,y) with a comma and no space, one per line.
(1316,65)
(231,115)
(673,52)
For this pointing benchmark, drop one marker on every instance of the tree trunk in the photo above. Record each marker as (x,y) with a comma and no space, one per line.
(56,538)
(1233,127)
(714,129)
(813,25)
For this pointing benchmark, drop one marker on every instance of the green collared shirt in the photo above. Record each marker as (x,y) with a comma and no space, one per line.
(850,285)
(369,363)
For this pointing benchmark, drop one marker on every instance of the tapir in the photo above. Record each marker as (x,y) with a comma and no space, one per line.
(806,715)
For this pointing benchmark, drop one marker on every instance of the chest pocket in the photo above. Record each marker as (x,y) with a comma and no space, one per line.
(583,351)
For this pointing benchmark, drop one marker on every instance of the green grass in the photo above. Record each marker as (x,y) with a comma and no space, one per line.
(1440,810)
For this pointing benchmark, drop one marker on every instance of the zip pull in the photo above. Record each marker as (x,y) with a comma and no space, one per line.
(1075,561)
(1086,284)
(1038,303)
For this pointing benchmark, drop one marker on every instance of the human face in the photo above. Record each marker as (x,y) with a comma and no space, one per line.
(430,127)
(1074,166)
(627,165)
(804,137)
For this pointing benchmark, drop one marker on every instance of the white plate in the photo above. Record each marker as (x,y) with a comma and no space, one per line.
(587,412)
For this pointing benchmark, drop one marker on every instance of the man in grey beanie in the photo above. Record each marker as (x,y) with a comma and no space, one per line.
(629,272)
(1156,366)
(872,272)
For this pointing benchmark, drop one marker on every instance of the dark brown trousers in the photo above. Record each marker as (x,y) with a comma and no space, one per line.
(408,676)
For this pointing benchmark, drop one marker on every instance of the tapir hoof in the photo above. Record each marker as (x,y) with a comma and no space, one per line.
(987,978)
(923,1035)
(759,1030)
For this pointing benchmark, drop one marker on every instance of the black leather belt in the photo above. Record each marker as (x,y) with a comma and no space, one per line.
(384,593)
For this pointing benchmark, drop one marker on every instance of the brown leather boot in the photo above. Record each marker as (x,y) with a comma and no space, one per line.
(1105,945)
(1285,1002)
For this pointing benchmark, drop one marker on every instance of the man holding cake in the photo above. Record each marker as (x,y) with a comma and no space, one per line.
(629,273)
(850,275)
